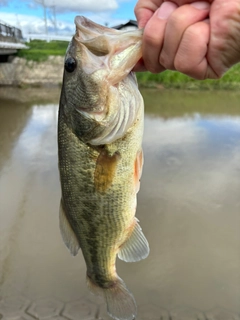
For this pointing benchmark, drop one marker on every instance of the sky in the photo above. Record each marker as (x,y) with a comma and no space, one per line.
(28,15)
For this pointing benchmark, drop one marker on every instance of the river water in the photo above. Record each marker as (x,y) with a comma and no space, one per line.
(188,207)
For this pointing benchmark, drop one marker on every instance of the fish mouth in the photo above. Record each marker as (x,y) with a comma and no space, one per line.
(108,49)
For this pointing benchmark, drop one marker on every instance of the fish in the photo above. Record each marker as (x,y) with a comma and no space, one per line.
(100,130)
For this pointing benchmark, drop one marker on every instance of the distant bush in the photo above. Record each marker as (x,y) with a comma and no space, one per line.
(39,50)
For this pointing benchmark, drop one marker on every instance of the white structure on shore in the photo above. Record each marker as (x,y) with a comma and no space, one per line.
(46,37)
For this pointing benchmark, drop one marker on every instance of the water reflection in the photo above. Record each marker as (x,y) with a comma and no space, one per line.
(190,191)
(188,205)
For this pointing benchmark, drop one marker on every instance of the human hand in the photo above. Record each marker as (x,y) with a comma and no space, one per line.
(182,39)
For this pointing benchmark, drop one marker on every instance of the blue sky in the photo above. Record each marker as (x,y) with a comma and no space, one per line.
(28,14)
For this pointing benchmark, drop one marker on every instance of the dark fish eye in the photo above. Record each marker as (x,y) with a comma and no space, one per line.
(70,64)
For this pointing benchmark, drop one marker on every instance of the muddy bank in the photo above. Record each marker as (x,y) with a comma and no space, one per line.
(21,72)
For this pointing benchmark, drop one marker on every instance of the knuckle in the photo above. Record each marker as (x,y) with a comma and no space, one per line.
(153,68)
(164,61)
(182,65)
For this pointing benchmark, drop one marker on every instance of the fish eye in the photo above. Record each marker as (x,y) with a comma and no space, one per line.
(70,64)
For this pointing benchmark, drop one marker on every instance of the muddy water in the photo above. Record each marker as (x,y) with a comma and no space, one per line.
(188,205)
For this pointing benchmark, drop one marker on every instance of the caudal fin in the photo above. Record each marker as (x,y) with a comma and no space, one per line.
(121,304)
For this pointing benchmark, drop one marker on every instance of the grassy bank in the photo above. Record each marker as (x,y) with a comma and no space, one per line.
(176,80)
(40,50)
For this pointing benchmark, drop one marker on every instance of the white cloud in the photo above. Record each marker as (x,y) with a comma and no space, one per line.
(172,132)
(35,25)
(82,5)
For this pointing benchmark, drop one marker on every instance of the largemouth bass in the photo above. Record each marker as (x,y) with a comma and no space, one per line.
(100,157)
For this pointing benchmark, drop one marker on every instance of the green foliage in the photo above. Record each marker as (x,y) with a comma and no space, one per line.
(39,50)
(173,79)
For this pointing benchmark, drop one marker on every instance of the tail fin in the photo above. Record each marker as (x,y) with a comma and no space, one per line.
(121,304)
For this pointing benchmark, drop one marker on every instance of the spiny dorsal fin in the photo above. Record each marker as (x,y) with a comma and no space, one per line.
(68,235)
(136,247)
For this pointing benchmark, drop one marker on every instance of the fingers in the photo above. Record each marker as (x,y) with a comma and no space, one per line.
(177,38)
(179,27)
(163,33)
(153,36)
(144,10)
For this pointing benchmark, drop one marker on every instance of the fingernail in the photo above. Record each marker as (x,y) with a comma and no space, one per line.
(166,10)
(202,5)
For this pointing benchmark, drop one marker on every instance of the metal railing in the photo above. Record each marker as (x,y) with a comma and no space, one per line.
(10,32)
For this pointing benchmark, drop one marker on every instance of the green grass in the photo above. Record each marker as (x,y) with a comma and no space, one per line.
(40,50)
(176,80)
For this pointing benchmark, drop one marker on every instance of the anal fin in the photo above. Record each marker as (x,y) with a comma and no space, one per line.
(136,246)
(68,235)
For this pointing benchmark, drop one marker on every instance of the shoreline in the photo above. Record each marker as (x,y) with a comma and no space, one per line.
(23,73)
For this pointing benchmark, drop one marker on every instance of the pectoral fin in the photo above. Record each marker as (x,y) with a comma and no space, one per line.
(68,235)
(136,247)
